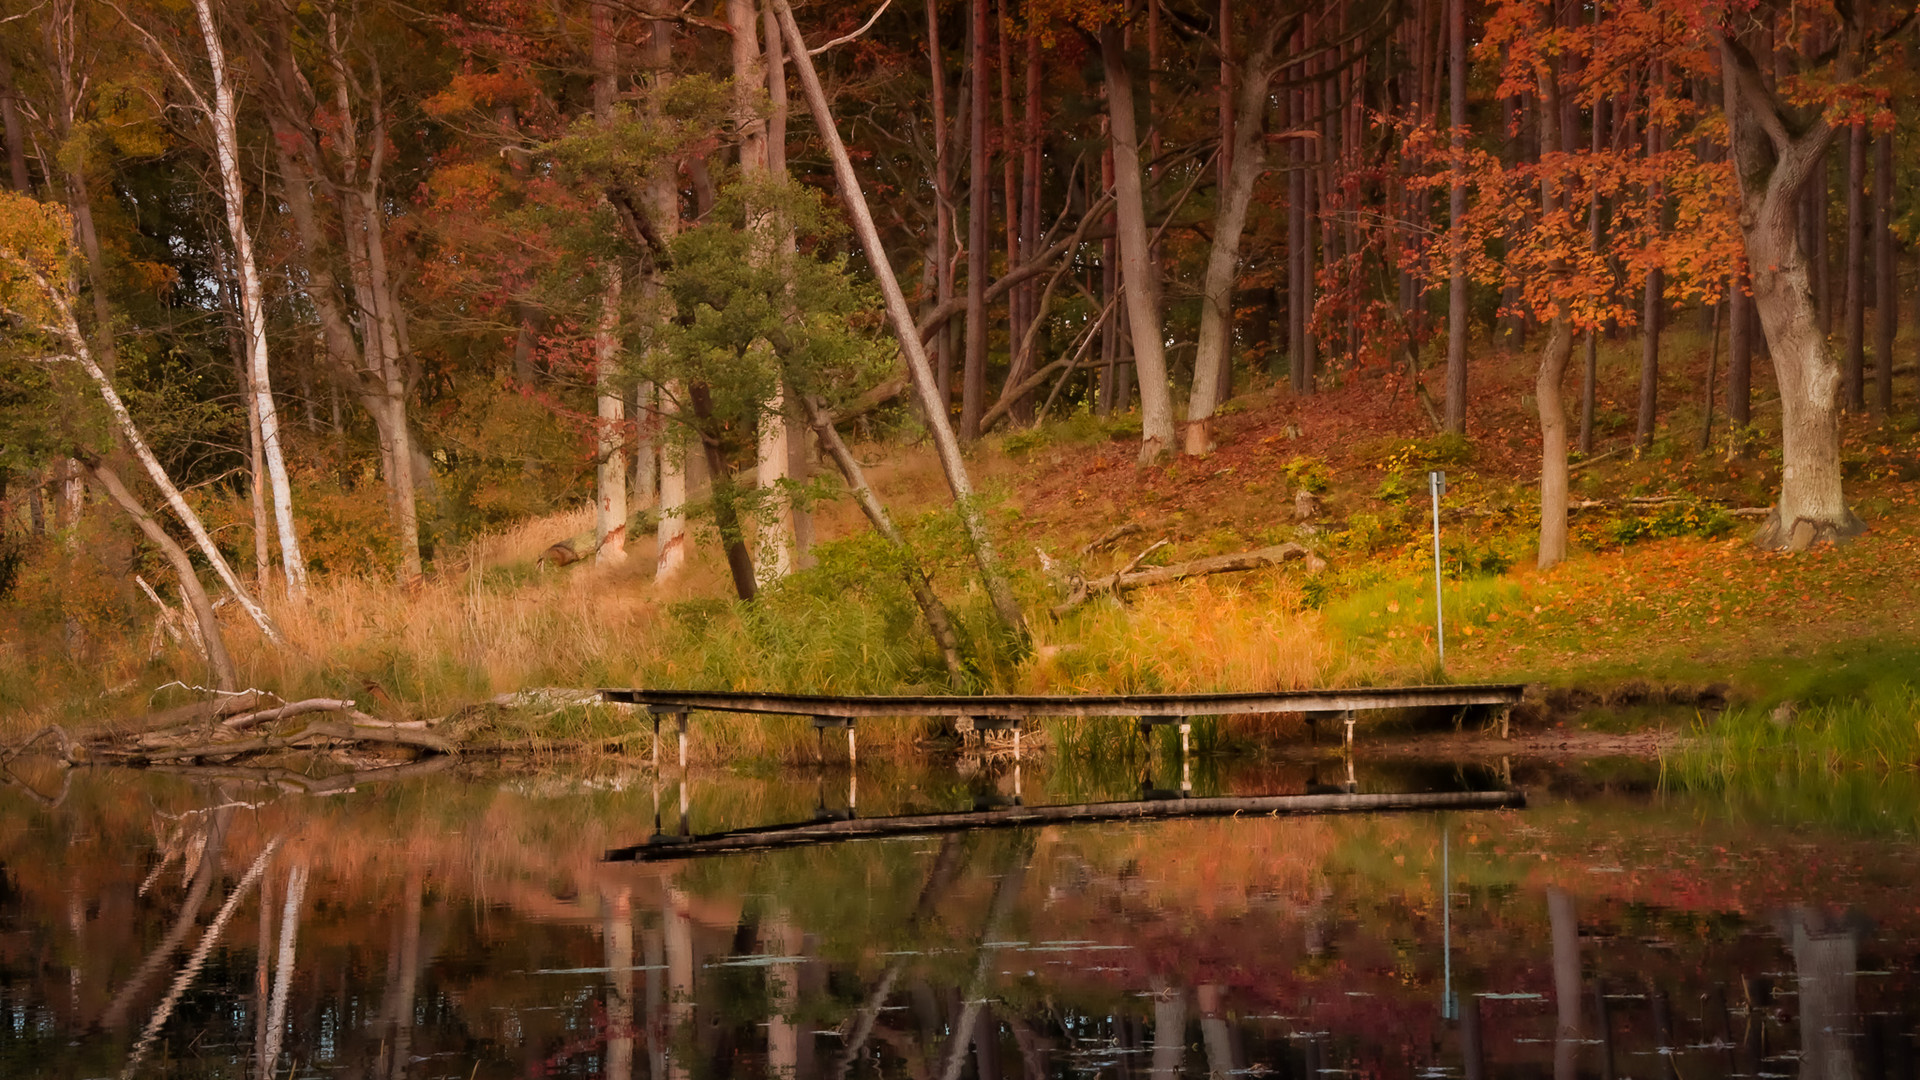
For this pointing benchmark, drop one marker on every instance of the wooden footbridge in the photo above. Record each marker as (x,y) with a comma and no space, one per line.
(984,712)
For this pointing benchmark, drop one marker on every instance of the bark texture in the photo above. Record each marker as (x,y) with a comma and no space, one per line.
(1136,260)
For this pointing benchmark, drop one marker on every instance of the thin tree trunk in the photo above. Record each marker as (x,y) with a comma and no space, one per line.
(252,300)
(225,676)
(69,329)
(662,199)
(1223,261)
(1854,313)
(901,316)
(1713,372)
(726,507)
(1652,318)
(1300,284)
(1886,277)
(610,470)
(13,130)
(1740,355)
(939,621)
(610,464)
(942,205)
(1143,298)
(973,375)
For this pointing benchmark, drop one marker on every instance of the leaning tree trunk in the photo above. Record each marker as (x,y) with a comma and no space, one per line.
(1223,260)
(191,592)
(252,303)
(1136,258)
(966,504)
(1773,167)
(939,621)
(68,328)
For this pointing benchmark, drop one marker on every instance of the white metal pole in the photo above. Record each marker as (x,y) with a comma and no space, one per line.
(1434,480)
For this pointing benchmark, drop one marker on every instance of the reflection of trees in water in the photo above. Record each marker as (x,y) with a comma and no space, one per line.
(1826,959)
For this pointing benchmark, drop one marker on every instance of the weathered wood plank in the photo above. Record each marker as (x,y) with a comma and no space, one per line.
(1019,706)
(828,832)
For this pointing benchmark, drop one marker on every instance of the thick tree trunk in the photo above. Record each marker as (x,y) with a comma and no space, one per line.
(1457,295)
(775,540)
(191,593)
(1223,260)
(972,520)
(973,375)
(1854,312)
(1553,365)
(226,140)
(662,198)
(1773,167)
(1136,261)
(1886,277)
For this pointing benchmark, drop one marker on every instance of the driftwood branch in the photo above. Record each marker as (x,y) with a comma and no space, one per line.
(317,731)
(1129,579)
(297,708)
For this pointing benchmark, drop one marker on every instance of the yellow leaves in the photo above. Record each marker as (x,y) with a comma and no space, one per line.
(34,239)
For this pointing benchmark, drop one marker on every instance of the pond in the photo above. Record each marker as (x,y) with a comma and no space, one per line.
(462,921)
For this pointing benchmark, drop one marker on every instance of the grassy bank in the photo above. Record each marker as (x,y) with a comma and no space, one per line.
(1655,592)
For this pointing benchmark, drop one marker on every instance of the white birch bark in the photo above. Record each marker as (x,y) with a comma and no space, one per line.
(253,312)
(610,476)
(773,556)
(671,533)
(68,329)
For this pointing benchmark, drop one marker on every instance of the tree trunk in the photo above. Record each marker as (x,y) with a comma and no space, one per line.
(726,510)
(775,543)
(610,464)
(1854,313)
(1773,167)
(972,519)
(671,533)
(973,376)
(68,328)
(1886,277)
(1457,295)
(662,200)
(225,677)
(942,206)
(939,621)
(14,131)
(1223,260)
(1553,366)
(1143,298)
(253,303)
(1740,354)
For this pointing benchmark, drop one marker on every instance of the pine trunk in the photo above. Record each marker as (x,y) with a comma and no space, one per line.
(973,375)
(1886,277)
(1854,313)
(1457,288)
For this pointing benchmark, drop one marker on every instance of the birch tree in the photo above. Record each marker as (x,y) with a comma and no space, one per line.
(221,115)
(34,255)
(610,468)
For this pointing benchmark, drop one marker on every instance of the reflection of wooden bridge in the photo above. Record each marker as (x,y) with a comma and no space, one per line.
(663,847)
(1011,711)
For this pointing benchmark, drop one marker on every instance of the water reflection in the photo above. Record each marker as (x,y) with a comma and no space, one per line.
(464,924)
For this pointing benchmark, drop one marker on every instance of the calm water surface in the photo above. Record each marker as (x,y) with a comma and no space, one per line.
(465,924)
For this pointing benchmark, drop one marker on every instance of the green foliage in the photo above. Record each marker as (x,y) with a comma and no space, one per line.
(1310,473)
(1688,518)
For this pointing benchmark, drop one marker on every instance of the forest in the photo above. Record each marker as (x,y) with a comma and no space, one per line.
(434,350)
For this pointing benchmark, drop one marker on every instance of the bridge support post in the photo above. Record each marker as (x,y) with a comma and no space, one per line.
(680,723)
(1347,718)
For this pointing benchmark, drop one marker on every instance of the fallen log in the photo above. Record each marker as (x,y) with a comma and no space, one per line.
(318,730)
(1129,579)
(295,708)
